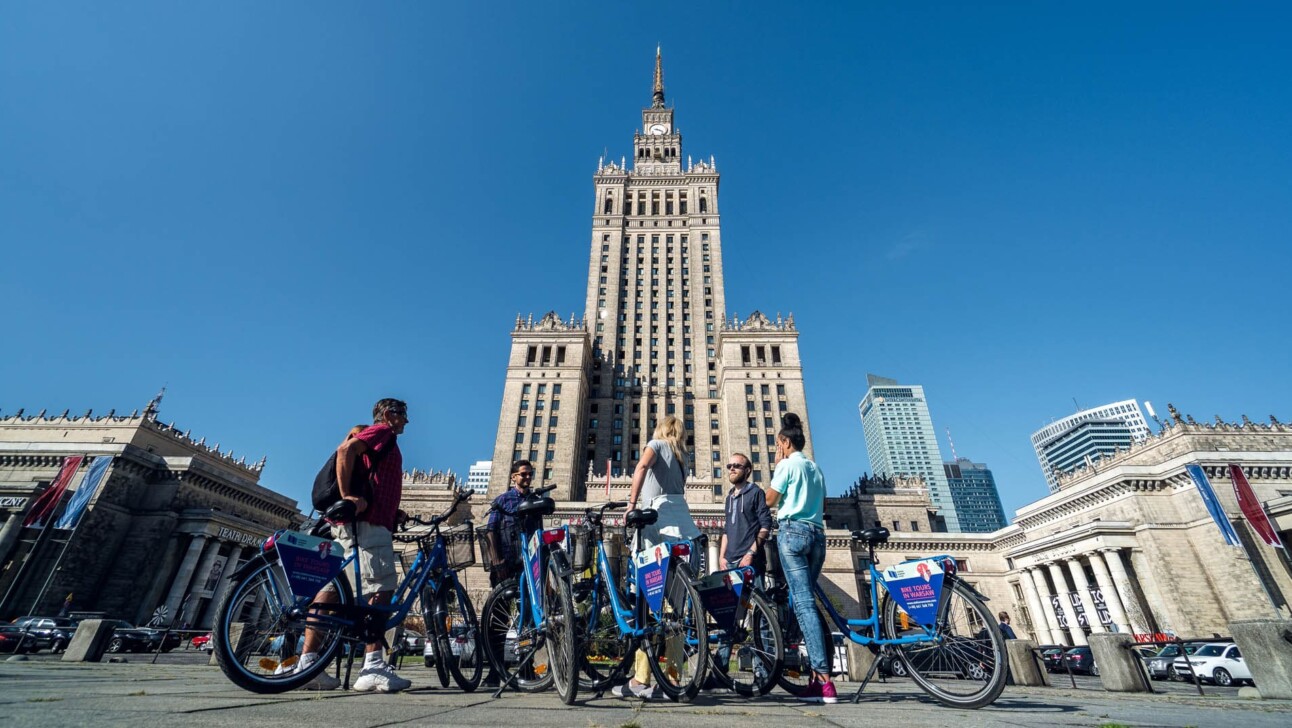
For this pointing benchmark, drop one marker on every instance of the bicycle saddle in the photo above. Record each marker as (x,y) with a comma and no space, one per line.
(641,517)
(871,535)
(536,507)
(340,512)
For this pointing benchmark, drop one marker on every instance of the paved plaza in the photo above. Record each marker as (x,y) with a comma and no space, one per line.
(179,691)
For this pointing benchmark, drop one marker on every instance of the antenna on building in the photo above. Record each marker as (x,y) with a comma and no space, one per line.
(952,443)
(1074,404)
(1148,406)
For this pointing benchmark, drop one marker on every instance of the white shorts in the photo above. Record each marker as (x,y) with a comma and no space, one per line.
(376,556)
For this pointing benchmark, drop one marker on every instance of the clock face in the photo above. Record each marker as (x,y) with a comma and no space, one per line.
(658,129)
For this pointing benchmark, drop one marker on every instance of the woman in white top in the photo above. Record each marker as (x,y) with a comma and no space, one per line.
(659,482)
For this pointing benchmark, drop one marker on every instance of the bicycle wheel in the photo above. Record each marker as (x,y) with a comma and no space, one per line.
(748,659)
(964,663)
(796,667)
(562,637)
(434,627)
(605,651)
(680,639)
(459,638)
(512,644)
(256,640)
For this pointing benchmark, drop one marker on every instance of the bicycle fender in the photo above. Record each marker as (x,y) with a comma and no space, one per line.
(562,563)
(248,566)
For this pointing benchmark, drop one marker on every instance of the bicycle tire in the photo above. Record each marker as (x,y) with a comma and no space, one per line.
(466,667)
(970,651)
(434,629)
(256,637)
(760,634)
(684,626)
(562,635)
(605,650)
(796,668)
(501,615)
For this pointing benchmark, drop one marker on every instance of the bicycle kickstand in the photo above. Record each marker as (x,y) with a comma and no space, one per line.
(874,665)
(511,681)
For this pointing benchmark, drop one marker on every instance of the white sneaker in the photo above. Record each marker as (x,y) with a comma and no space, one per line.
(381,679)
(324,681)
(645,692)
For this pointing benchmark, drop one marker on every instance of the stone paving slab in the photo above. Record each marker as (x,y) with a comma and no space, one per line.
(39,694)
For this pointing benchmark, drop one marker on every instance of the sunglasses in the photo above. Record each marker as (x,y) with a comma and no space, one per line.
(736,466)
(524,473)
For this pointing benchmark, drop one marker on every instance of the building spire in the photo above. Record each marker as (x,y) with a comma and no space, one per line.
(150,412)
(658,97)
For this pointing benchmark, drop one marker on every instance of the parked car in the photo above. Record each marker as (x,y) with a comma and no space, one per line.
(47,633)
(129,638)
(1161,666)
(1052,656)
(11,635)
(202,642)
(414,641)
(1218,662)
(1081,660)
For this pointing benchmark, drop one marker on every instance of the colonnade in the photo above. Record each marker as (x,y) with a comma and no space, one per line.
(199,557)
(1054,619)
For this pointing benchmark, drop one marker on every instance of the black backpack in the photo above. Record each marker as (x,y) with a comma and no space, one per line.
(326,492)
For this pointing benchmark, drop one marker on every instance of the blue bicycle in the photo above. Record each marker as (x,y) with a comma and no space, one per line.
(664,616)
(529,632)
(930,624)
(297,584)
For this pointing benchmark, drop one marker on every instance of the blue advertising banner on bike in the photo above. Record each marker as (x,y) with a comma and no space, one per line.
(652,566)
(535,566)
(722,595)
(916,586)
(309,561)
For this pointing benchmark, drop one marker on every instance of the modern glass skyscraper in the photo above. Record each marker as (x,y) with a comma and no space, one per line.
(900,440)
(973,490)
(1063,446)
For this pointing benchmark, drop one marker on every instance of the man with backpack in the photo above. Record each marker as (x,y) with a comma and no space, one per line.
(374,452)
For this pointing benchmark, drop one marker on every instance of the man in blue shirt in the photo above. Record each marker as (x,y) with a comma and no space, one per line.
(504,526)
(749,520)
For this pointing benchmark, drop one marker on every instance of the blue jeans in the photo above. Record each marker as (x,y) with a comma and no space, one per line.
(802,549)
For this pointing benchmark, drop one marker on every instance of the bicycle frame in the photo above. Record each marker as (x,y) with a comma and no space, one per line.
(872,624)
(624,613)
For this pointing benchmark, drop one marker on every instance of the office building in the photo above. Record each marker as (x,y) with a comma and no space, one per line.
(973,490)
(900,440)
(1063,446)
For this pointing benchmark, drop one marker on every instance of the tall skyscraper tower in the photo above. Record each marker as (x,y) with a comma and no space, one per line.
(900,439)
(1063,446)
(974,493)
(584,394)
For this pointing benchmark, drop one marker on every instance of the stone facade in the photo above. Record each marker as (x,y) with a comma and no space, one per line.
(171,514)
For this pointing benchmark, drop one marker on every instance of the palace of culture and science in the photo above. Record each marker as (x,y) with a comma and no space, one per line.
(582,396)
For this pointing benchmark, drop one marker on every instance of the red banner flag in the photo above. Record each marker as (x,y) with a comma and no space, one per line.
(45,503)
(607,478)
(1252,509)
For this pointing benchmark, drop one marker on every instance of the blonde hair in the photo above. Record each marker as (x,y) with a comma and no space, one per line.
(671,430)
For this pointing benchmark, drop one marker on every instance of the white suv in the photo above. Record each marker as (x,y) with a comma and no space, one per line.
(1218,662)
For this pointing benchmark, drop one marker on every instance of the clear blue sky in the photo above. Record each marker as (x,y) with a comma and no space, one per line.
(283,211)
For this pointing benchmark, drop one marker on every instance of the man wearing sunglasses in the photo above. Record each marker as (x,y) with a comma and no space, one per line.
(504,525)
(749,520)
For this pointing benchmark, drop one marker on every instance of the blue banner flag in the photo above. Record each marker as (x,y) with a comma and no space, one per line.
(81,498)
(1210,500)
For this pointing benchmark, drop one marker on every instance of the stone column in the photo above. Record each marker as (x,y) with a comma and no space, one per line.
(1083,593)
(179,587)
(9,533)
(1061,591)
(236,557)
(1121,580)
(197,604)
(715,558)
(1105,582)
(1039,607)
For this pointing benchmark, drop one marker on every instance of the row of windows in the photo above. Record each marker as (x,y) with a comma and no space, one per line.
(653,200)
(765,389)
(760,352)
(544,354)
(538,421)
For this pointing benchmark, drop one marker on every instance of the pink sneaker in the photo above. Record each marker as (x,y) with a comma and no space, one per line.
(828,695)
(814,693)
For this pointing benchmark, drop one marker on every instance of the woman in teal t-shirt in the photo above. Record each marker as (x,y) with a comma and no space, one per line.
(798,494)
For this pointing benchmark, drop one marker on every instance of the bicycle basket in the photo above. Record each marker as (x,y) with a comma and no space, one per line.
(580,540)
(459,545)
(486,552)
